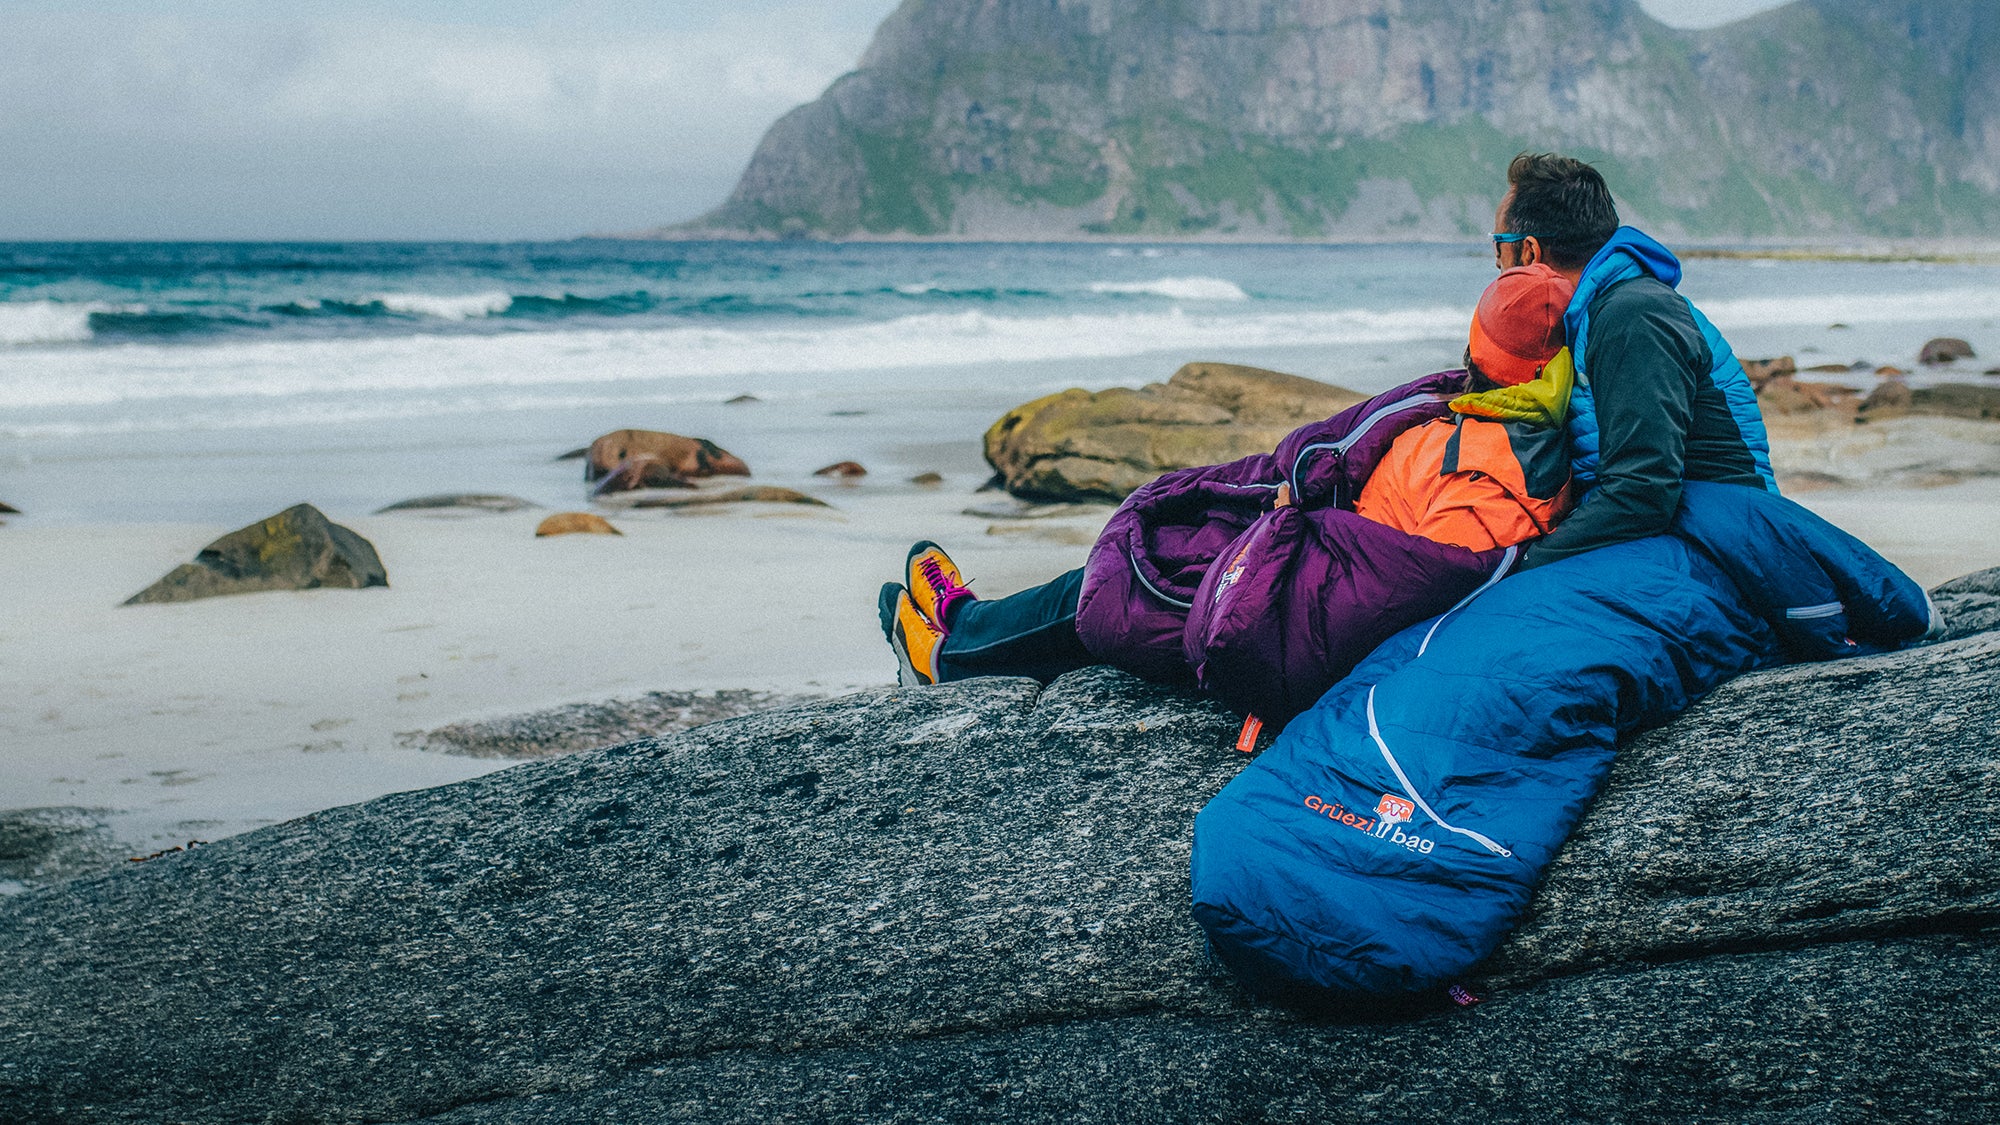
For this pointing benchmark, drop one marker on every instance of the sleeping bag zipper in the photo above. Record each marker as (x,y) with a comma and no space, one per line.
(1340,448)
(1132,556)
(1410,790)
(1152,589)
(1499,572)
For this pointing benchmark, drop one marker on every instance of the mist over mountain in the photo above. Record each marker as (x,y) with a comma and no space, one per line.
(1384,119)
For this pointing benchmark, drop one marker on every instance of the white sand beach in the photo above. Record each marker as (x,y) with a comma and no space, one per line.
(202,719)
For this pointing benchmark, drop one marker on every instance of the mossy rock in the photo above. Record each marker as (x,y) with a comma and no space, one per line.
(1080,445)
(297,549)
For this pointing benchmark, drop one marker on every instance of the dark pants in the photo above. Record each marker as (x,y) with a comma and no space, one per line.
(1032,633)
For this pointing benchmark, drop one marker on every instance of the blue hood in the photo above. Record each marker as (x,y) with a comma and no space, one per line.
(1630,253)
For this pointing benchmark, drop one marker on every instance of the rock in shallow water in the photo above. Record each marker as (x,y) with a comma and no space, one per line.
(297,549)
(676,455)
(1944,349)
(751,494)
(971,902)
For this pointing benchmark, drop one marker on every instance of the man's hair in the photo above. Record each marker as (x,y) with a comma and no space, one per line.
(1564,203)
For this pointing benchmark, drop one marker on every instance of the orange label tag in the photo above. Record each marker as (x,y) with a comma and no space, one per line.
(1252,727)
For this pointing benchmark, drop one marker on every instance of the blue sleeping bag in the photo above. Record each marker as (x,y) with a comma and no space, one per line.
(1394,833)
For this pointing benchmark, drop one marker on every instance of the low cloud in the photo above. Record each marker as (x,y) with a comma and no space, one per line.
(224,120)
(121,114)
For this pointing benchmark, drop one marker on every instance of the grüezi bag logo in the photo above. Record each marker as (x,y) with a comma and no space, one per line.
(1396,810)
(1391,812)
(1230,576)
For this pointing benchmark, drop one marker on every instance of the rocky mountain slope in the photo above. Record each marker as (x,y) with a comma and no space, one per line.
(970,902)
(1384,119)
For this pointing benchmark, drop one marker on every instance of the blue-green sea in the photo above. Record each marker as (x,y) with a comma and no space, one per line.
(217,382)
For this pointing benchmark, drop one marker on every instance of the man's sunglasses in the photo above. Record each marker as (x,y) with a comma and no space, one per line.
(1501,239)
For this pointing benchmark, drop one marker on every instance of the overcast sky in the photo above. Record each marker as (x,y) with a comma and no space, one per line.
(348,119)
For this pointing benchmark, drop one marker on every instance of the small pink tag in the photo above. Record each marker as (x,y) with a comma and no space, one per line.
(1462,996)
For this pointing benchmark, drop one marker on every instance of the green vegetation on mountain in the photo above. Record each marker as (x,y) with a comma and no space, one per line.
(1384,119)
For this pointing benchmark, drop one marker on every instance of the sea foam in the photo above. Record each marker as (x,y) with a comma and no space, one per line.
(253,369)
(446,307)
(1820,310)
(46,322)
(1177,288)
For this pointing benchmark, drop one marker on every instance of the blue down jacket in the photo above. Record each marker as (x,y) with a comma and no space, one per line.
(1629,254)
(1389,839)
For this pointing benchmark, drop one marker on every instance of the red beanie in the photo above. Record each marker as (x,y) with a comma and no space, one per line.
(1519,324)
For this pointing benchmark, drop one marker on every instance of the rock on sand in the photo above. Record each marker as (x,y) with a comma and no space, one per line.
(575,523)
(297,549)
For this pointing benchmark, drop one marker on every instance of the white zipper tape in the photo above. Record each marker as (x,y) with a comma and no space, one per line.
(1410,791)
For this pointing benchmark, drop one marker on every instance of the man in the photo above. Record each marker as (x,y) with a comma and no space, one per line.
(1660,399)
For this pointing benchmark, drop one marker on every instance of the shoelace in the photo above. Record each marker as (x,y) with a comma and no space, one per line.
(948,591)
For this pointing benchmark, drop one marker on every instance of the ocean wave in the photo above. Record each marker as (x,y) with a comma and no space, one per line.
(46,322)
(1846,308)
(417,363)
(1176,288)
(141,323)
(538,306)
(934,290)
(464,306)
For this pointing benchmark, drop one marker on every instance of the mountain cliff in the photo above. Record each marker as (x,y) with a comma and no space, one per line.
(1384,119)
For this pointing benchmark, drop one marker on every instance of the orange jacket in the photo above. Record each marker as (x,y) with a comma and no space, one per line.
(1472,482)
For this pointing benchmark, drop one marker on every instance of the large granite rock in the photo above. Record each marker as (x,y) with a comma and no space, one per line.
(297,549)
(1083,445)
(43,844)
(970,902)
(574,727)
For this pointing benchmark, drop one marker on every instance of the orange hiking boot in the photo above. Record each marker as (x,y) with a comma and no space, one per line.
(915,641)
(935,584)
